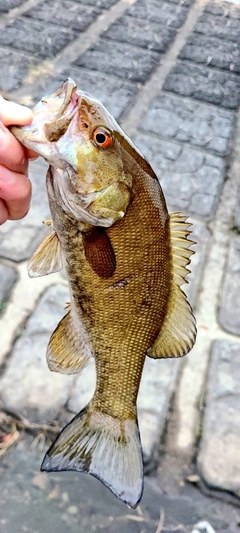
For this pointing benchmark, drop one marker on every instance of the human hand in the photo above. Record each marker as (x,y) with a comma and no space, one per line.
(15,187)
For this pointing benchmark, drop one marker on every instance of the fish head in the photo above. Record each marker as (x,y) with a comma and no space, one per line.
(71,129)
(94,159)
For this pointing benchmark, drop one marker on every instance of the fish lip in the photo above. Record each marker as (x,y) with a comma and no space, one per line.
(70,88)
(33,135)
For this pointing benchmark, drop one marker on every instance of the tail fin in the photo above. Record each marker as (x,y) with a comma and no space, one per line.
(105,447)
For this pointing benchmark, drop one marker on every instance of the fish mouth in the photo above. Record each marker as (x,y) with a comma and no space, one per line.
(52,116)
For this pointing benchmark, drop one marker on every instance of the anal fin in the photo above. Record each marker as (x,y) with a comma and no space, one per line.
(47,258)
(68,351)
(103,446)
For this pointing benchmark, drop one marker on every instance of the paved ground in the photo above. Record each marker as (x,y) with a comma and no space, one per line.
(169,71)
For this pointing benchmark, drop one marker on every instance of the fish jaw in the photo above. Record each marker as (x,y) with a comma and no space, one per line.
(55,118)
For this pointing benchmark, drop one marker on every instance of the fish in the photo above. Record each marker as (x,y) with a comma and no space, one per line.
(126,259)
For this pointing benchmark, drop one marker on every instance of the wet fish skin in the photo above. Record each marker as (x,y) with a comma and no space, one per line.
(125,259)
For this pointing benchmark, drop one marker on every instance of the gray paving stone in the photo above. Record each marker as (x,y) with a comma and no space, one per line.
(226,9)
(191,180)
(103,4)
(19,239)
(218,459)
(8,277)
(71,14)
(203,125)
(160,12)
(141,33)
(156,389)
(185,3)
(36,38)
(116,94)
(212,51)
(6,5)
(229,313)
(119,60)
(219,26)
(27,385)
(204,83)
(14,67)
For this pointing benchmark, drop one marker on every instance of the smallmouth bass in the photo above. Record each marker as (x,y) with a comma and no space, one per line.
(125,259)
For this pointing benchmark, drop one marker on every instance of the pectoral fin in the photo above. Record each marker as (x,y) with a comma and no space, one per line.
(47,258)
(99,252)
(68,351)
(178,332)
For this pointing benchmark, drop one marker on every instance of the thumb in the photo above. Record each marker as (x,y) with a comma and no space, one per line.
(12,113)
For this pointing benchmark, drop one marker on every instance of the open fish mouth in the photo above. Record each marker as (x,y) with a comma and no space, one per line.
(52,116)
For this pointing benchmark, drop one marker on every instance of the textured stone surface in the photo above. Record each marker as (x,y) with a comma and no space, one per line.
(14,67)
(201,125)
(69,15)
(219,460)
(211,51)
(27,385)
(20,238)
(6,5)
(8,277)
(226,9)
(191,180)
(229,313)
(105,4)
(219,26)
(156,389)
(140,32)
(120,60)
(203,83)
(78,503)
(116,94)
(162,13)
(37,38)
(185,3)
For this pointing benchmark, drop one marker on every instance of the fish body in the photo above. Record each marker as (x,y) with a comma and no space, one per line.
(125,259)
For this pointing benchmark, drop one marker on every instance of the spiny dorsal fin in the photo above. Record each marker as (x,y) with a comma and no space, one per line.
(68,350)
(178,332)
(103,446)
(47,258)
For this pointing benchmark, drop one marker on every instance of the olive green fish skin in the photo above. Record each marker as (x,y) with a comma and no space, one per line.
(123,314)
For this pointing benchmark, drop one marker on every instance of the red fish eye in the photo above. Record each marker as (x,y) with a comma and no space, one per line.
(102,137)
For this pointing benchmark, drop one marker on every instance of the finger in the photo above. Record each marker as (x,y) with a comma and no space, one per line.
(15,190)
(31,154)
(12,153)
(11,113)
(3,212)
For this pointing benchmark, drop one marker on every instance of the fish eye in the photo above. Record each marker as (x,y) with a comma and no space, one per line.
(102,137)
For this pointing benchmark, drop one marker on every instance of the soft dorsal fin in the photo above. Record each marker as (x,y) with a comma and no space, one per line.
(178,332)
(47,258)
(68,350)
